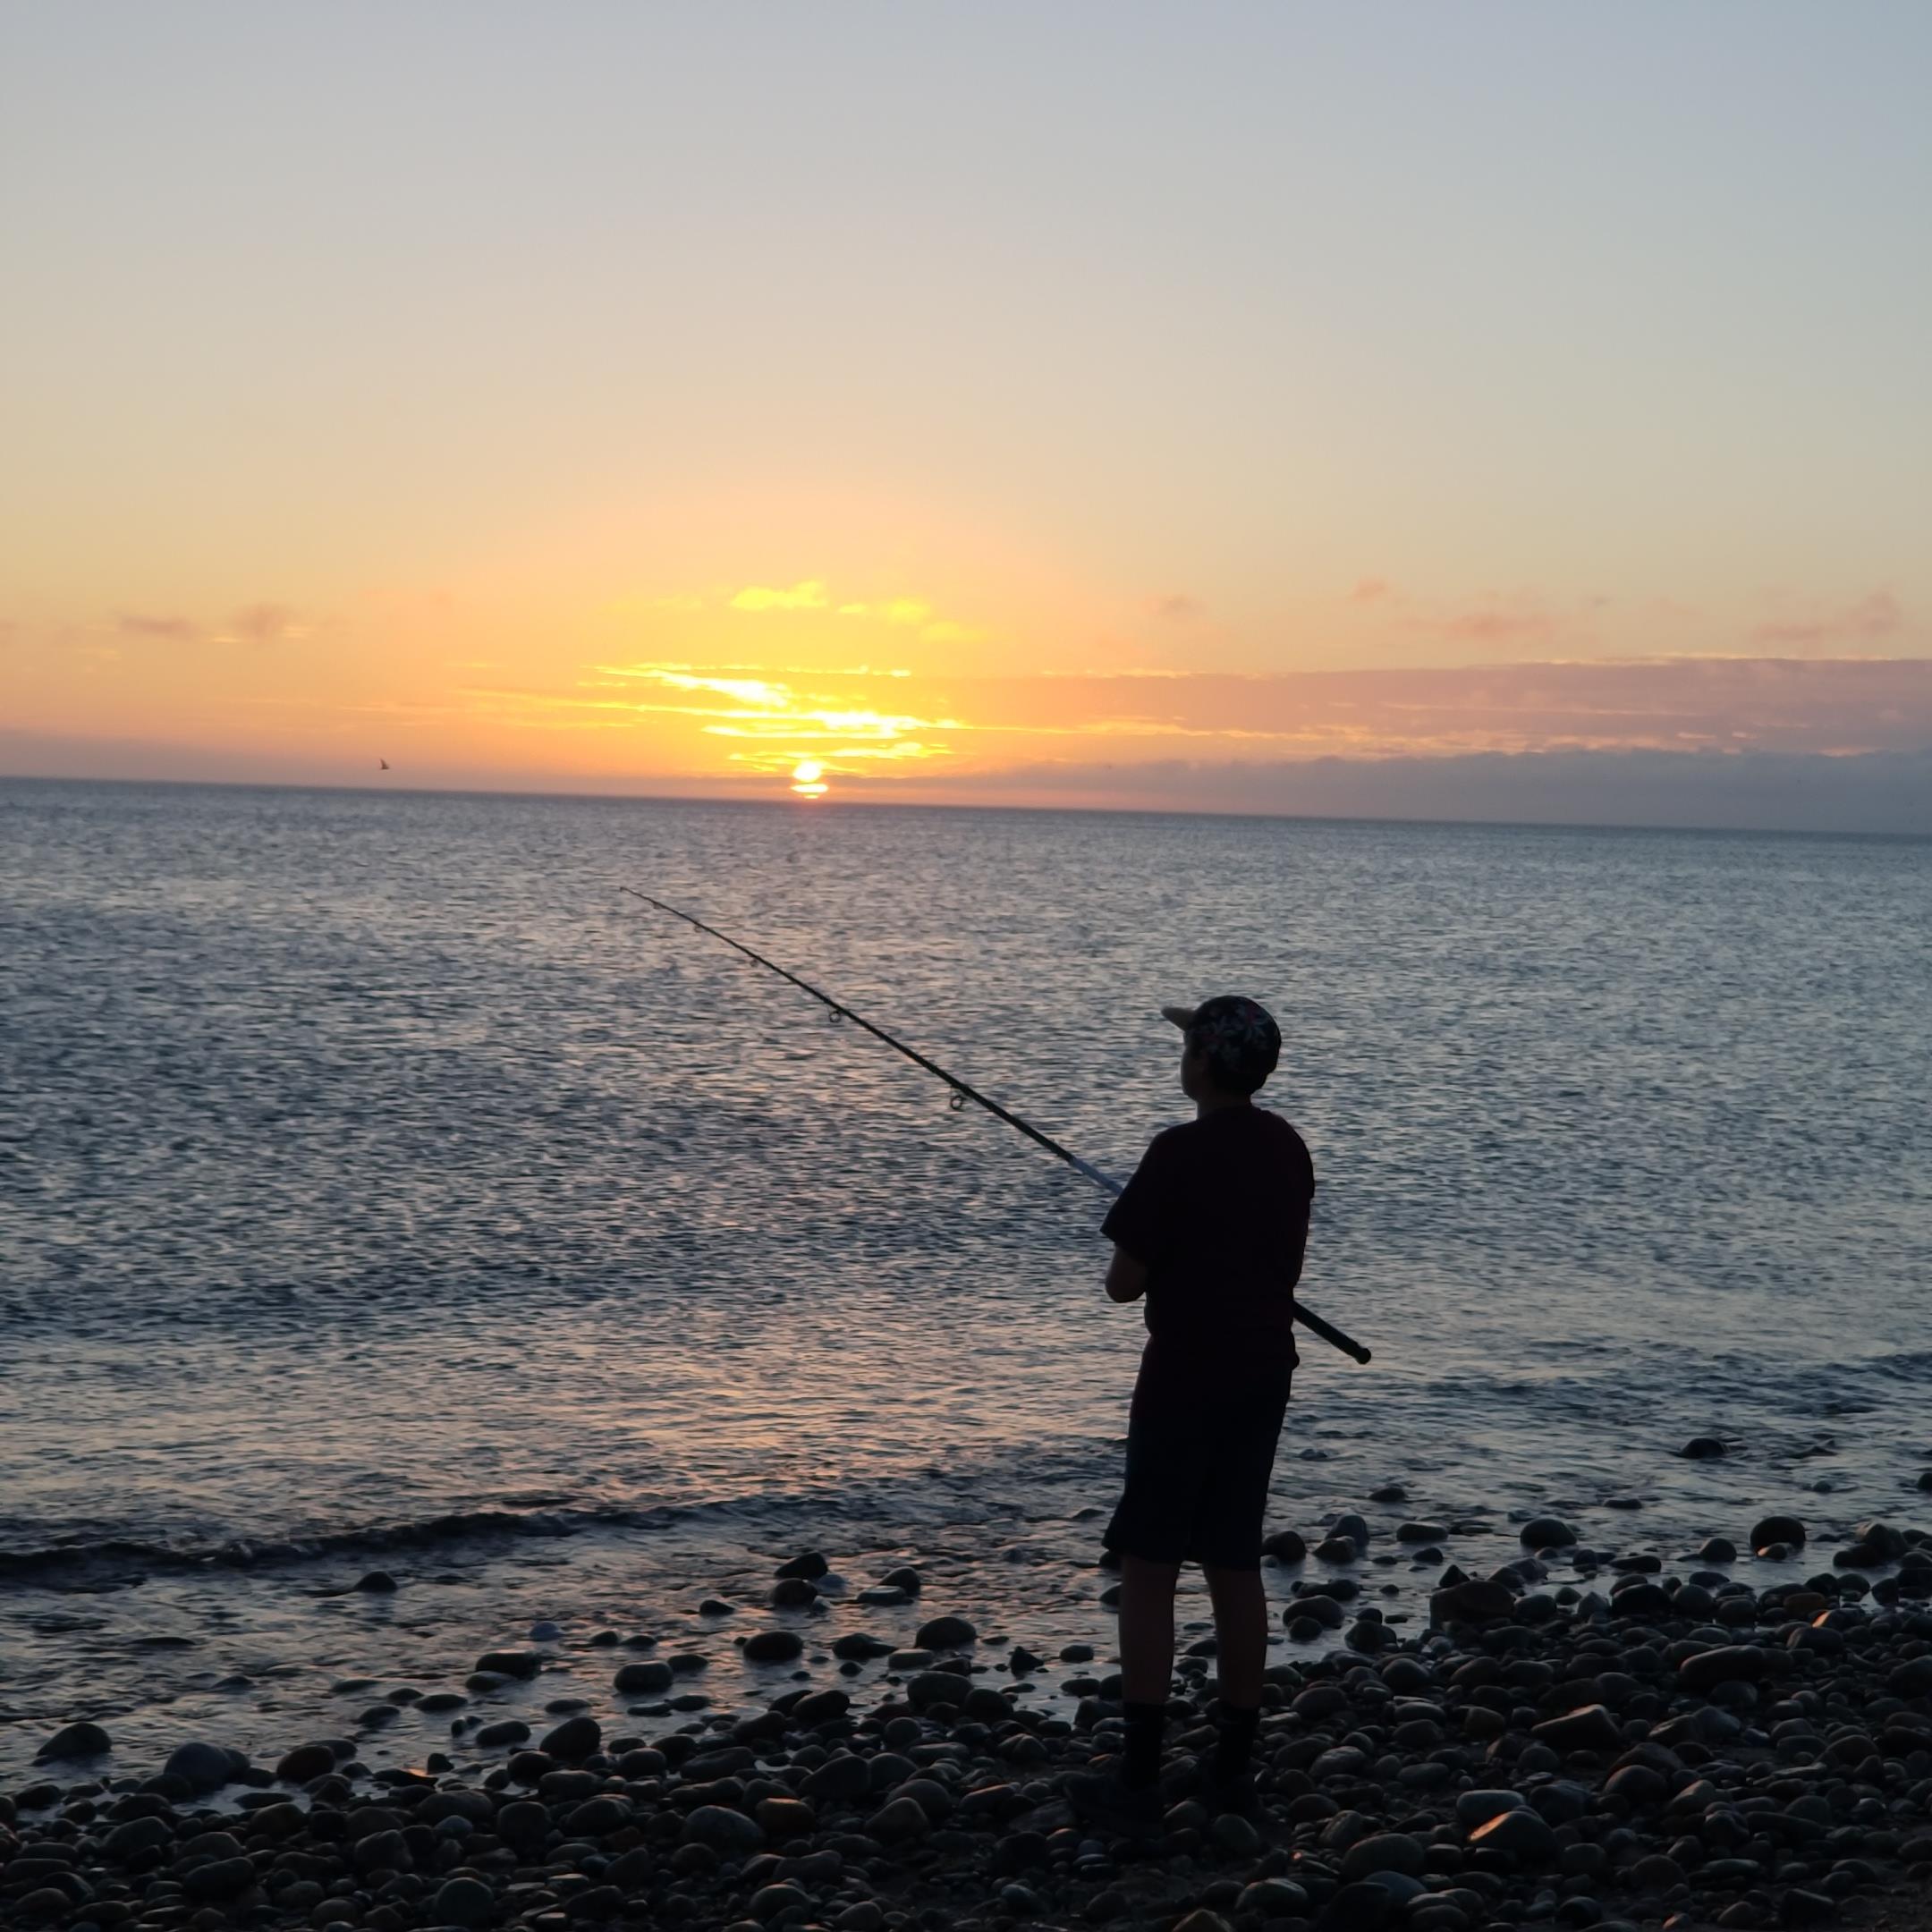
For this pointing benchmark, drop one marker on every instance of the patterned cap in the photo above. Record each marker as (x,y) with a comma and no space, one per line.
(1234,1033)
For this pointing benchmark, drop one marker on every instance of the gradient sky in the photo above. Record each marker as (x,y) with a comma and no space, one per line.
(967,400)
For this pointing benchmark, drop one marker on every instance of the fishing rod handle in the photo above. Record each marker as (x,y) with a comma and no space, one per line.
(1331,1335)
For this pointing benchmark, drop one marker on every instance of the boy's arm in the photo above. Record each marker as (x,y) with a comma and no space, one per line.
(1126,1278)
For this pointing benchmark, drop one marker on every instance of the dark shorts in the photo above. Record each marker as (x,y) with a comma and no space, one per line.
(1198,1464)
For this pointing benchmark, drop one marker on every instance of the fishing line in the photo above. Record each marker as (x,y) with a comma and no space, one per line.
(962,1091)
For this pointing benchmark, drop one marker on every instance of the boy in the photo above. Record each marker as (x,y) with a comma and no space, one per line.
(1211,1231)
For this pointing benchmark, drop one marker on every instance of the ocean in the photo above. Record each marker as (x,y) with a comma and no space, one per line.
(381,1189)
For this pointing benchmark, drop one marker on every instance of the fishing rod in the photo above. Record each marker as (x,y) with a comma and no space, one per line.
(963,1092)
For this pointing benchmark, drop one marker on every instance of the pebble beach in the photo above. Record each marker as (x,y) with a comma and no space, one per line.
(1580,1735)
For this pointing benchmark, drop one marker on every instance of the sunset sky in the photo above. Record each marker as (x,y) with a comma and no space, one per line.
(1077,403)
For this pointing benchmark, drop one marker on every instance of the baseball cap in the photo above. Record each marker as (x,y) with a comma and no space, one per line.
(1238,1034)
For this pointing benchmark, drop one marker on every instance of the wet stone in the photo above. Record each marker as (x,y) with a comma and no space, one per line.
(947,1633)
(76,1740)
(773,1647)
(1546,1532)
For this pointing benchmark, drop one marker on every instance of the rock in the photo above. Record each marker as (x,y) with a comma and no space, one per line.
(634,1680)
(838,1780)
(905,1578)
(218,1878)
(947,1633)
(1285,1547)
(729,1834)
(574,1740)
(75,1740)
(1474,1600)
(809,1564)
(1717,1549)
(1589,1728)
(1422,1532)
(306,1761)
(1644,1600)
(901,1820)
(377,1582)
(464,1901)
(933,1798)
(1201,1919)
(1475,1807)
(383,1850)
(1363,1907)
(1547,1532)
(505,1731)
(473,1805)
(860,1645)
(1637,1784)
(598,1816)
(931,1689)
(1729,1663)
(522,1664)
(1769,1530)
(136,1835)
(1656,1873)
(1912,1679)
(792,1593)
(1352,1526)
(780,1819)
(1233,1836)
(629,1871)
(202,1767)
(773,1647)
(1703,1448)
(1386,1851)
(1338,1550)
(1889,1542)
(1807,1908)
(820,1707)
(1273,1898)
(523,1823)
(1523,1834)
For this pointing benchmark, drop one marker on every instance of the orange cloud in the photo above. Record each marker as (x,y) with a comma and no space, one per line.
(983,724)
(810,594)
(174,630)
(1866,622)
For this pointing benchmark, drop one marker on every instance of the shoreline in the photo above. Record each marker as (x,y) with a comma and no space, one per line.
(1572,1738)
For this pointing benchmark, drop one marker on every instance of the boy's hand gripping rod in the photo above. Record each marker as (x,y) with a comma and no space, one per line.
(961,1093)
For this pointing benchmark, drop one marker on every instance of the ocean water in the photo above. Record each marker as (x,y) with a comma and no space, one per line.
(381,1188)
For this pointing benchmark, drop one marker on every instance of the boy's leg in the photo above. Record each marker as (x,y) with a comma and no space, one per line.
(1240,1622)
(1241,1639)
(1146,1662)
(1128,1796)
(1147,1600)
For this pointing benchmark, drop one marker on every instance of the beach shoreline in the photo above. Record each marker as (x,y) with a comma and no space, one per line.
(1572,1736)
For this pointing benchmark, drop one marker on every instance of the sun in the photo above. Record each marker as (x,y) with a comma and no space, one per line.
(808,779)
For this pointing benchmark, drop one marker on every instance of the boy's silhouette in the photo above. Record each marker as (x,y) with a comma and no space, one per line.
(1211,1231)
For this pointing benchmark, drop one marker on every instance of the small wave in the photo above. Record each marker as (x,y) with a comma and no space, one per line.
(120,1555)
(111,1562)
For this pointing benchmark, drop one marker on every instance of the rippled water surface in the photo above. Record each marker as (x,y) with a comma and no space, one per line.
(367,1161)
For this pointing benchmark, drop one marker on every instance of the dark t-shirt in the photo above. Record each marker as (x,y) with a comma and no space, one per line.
(1217,1211)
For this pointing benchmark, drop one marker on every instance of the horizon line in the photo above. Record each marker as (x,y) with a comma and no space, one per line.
(821,805)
